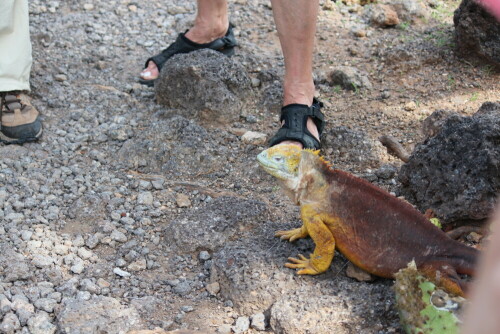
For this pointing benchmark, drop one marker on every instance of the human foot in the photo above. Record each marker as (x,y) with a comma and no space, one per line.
(302,125)
(151,72)
(190,41)
(313,129)
(20,121)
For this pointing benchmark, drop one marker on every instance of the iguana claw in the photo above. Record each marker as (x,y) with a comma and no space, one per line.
(304,263)
(292,235)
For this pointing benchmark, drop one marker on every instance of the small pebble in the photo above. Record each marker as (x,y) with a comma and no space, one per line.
(204,256)
(121,273)
(258,321)
(182,201)
(242,325)
(187,308)
(118,236)
(78,267)
(60,77)
(213,288)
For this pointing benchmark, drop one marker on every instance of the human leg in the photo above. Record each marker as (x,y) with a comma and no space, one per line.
(211,21)
(15,57)
(482,314)
(211,24)
(19,119)
(296,25)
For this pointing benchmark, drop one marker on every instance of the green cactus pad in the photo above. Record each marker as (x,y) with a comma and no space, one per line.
(423,307)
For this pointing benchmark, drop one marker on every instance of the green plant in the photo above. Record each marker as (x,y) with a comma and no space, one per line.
(444,10)
(403,26)
(355,87)
(436,222)
(474,97)
(337,89)
(416,299)
(441,38)
(451,81)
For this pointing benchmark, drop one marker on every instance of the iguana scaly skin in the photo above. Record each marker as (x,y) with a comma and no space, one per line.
(376,231)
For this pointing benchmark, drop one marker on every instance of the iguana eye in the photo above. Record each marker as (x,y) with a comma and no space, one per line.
(278,159)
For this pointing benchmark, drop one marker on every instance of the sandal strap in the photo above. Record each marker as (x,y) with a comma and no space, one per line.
(174,48)
(314,111)
(229,41)
(294,118)
(184,45)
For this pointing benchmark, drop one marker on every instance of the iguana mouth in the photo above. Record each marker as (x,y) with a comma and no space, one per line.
(265,163)
(270,167)
(261,158)
(280,161)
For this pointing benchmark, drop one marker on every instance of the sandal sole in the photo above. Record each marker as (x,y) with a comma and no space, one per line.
(149,83)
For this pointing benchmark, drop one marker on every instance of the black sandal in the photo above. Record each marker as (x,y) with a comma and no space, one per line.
(182,44)
(295,124)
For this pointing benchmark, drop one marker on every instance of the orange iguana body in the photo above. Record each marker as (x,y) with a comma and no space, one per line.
(376,231)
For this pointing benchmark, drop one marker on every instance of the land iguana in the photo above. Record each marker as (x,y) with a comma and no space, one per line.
(375,230)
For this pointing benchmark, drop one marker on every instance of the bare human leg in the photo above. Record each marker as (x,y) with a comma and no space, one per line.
(211,23)
(482,314)
(296,24)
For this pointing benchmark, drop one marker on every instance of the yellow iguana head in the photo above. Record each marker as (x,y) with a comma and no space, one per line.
(283,161)
(295,168)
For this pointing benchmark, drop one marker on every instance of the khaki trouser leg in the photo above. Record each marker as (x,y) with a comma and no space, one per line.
(15,45)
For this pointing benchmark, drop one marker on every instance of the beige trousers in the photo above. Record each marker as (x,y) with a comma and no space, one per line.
(15,45)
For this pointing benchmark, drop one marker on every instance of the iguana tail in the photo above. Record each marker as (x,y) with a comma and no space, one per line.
(444,270)
(465,259)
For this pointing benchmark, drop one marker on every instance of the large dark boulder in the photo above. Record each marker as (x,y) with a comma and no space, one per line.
(456,173)
(204,85)
(477,32)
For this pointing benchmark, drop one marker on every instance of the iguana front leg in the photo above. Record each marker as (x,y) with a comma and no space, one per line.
(322,256)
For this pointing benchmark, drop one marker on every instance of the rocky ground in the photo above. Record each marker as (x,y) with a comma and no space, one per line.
(129,215)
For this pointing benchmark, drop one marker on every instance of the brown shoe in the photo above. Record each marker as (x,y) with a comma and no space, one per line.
(20,121)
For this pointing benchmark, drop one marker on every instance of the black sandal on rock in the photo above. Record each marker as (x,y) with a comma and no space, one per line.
(295,124)
(182,44)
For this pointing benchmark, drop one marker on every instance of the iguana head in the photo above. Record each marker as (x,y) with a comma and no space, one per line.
(281,161)
(286,162)
(293,166)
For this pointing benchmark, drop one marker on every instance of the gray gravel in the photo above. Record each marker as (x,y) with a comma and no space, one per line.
(117,217)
